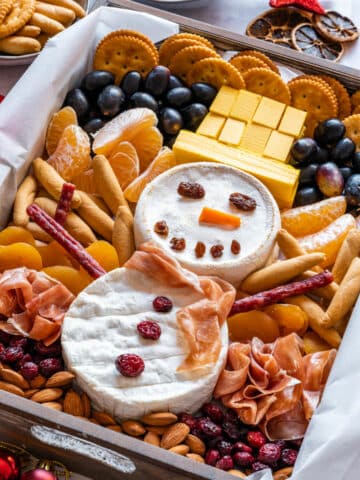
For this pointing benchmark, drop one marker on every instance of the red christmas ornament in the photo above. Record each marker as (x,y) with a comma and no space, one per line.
(310,5)
(9,465)
(2,98)
(38,474)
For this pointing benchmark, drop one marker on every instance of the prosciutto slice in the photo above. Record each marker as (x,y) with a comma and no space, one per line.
(34,304)
(274,385)
(199,322)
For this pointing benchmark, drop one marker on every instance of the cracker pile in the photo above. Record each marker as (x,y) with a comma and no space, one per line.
(26,25)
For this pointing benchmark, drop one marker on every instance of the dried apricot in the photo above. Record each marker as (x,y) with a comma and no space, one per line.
(105,254)
(74,280)
(245,326)
(147,144)
(54,254)
(125,163)
(59,121)
(313,343)
(14,234)
(290,318)
(301,221)
(19,255)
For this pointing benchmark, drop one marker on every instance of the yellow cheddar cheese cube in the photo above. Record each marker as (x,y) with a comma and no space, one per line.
(224,101)
(292,122)
(269,112)
(211,125)
(255,138)
(278,146)
(232,132)
(245,105)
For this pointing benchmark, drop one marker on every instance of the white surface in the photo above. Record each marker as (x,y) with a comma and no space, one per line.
(256,233)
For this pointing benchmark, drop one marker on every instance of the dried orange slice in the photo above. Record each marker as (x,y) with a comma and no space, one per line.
(72,154)
(85,181)
(335,27)
(311,218)
(125,163)
(59,121)
(307,40)
(147,144)
(164,160)
(122,128)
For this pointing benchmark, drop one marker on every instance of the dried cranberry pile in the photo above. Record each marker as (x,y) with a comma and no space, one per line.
(30,357)
(231,444)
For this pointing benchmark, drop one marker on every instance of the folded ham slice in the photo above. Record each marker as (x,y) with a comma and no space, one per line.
(34,304)
(273,385)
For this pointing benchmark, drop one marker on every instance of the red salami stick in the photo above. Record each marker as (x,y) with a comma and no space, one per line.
(277,294)
(64,203)
(58,233)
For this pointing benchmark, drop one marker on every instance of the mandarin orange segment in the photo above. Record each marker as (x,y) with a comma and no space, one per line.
(329,239)
(74,280)
(59,121)
(164,160)
(85,181)
(290,318)
(19,255)
(301,221)
(72,154)
(123,127)
(54,254)
(15,234)
(105,254)
(125,163)
(147,144)
(245,326)
(313,343)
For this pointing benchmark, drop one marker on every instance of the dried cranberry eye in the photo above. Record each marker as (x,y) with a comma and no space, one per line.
(162,304)
(149,329)
(130,365)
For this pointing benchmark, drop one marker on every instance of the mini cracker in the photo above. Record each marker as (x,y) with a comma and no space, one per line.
(172,46)
(216,72)
(47,25)
(135,34)
(267,83)
(341,94)
(184,60)
(16,45)
(122,54)
(261,56)
(29,31)
(352,125)
(5,8)
(19,15)
(355,99)
(247,62)
(312,97)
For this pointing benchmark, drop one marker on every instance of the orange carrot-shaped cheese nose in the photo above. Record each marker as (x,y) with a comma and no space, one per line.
(221,219)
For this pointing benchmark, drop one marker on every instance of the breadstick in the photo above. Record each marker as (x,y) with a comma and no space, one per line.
(280,272)
(326,292)
(16,45)
(49,178)
(60,14)
(43,38)
(95,217)
(100,203)
(79,11)
(107,185)
(74,225)
(24,197)
(290,247)
(316,314)
(38,233)
(345,297)
(29,31)
(349,249)
(123,235)
(47,25)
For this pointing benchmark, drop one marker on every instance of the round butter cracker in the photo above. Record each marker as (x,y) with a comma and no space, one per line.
(267,83)
(172,46)
(341,94)
(134,34)
(247,62)
(20,13)
(184,60)
(216,72)
(261,56)
(352,125)
(5,8)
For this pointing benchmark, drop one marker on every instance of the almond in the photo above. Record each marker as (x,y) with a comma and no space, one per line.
(38,382)
(174,435)
(60,379)
(196,457)
(283,474)
(159,419)
(104,418)
(9,387)
(133,428)
(73,404)
(237,473)
(180,449)
(47,395)
(53,405)
(158,430)
(29,393)
(15,378)
(196,444)
(115,428)
(86,405)
(152,438)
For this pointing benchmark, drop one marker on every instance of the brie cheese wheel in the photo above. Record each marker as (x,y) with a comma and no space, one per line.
(101,325)
(256,234)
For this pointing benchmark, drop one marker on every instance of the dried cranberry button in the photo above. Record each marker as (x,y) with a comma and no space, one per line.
(149,329)
(256,439)
(243,459)
(49,366)
(289,456)
(188,419)
(162,304)
(212,456)
(269,453)
(29,370)
(257,466)
(13,354)
(130,365)
(225,463)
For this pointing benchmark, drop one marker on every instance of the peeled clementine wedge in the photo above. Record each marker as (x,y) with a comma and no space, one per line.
(164,160)
(124,127)
(59,121)
(125,163)
(85,181)
(72,154)
(147,144)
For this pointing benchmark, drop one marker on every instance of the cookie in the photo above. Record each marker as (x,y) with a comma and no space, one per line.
(60,14)
(247,62)
(20,13)
(5,8)
(307,40)
(135,34)
(29,31)
(267,83)
(341,94)
(352,125)
(314,98)
(121,54)
(183,61)
(172,46)
(46,24)
(16,45)
(216,72)
(261,56)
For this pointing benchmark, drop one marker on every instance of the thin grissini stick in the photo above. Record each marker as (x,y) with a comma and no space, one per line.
(268,297)
(98,220)
(280,272)
(38,233)
(349,249)
(29,31)
(56,12)
(63,207)
(100,203)
(315,314)
(123,235)
(58,233)
(47,25)
(24,197)
(52,182)
(326,292)
(345,297)
(290,247)
(71,4)
(107,185)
